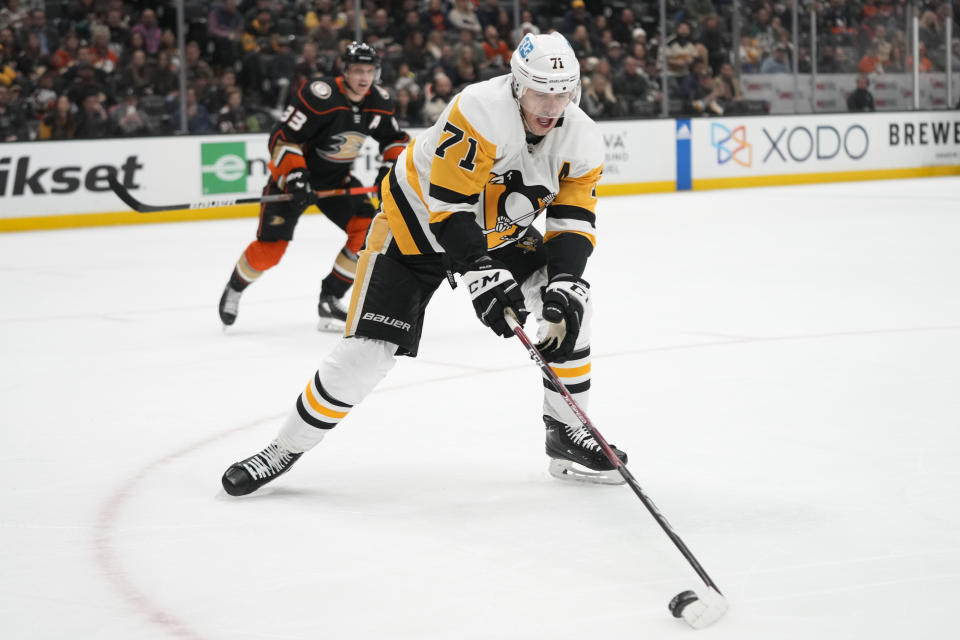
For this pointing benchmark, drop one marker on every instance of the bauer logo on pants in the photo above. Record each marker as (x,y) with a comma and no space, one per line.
(224,167)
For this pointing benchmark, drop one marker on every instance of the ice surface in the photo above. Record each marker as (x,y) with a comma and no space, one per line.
(781,364)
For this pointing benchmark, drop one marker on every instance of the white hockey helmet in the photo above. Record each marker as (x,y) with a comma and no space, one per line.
(546,74)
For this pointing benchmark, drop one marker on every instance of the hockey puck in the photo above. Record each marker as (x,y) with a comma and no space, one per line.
(680,602)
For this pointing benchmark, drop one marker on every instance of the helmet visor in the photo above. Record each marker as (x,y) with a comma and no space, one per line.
(545,105)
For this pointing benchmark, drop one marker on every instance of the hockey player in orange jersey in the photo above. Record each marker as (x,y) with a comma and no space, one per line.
(461,198)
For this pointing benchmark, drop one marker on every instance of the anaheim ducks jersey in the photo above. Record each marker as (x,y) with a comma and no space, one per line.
(476,161)
(323,130)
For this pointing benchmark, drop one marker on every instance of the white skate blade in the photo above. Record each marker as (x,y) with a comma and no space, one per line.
(331,325)
(709,607)
(572,472)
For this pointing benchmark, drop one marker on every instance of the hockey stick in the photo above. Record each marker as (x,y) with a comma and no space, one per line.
(697,611)
(124,194)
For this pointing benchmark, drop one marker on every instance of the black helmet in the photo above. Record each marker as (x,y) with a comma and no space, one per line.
(360,53)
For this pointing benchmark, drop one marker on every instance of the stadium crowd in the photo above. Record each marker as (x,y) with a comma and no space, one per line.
(100,68)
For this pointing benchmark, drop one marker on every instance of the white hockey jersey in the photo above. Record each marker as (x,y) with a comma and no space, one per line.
(476,159)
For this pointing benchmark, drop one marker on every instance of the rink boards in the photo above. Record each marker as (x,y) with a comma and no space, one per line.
(64,184)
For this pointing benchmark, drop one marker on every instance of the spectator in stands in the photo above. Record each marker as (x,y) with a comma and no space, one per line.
(198,118)
(83,80)
(698,10)
(681,51)
(467,69)
(716,42)
(324,35)
(196,66)
(166,81)
(576,16)
(762,31)
(407,111)
(13,16)
(433,17)
(925,65)
(92,122)
(307,65)
(119,38)
(47,34)
(233,116)
(598,99)
(464,16)
(487,13)
(439,93)
(705,97)
(615,54)
(777,61)
(623,28)
(225,28)
(13,122)
(126,118)
(151,32)
(882,43)
(138,75)
(842,62)
(104,58)
(435,42)
(60,123)
(631,86)
(870,61)
(861,99)
(495,49)
(381,34)
(728,88)
(527,25)
(413,51)
(30,61)
(44,95)
(582,46)
(929,31)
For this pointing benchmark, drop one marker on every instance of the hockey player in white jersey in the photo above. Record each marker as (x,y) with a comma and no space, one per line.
(462,198)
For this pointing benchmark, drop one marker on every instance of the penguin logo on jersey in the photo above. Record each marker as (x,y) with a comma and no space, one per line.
(509,201)
(343,147)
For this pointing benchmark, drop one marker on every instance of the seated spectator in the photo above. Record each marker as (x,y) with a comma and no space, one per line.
(715,40)
(407,110)
(104,58)
(166,80)
(598,100)
(233,116)
(324,35)
(777,61)
(435,42)
(44,96)
(92,121)
(66,56)
(414,51)
(381,34)
(623,27)
(60,123)
(433,18)
(870,62)
(13,123)
(861,99)
(196,66)
(463,16)
(580,41)
(576,16)
(681,51)
(14,15)
(138,75)
(30,61)
(631,86)
(439,93)
(837,20)
(46,33)
(487,13)
(751,55)
(925,65)
(119,39)
(198,118)
(698,10)
(495,49)
(527,25)
(151,32)
(728,88)
(225,28)
(126,118)
(467,69)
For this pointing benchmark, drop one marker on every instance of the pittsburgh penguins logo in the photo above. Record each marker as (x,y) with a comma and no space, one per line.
(515,202)
(343,147)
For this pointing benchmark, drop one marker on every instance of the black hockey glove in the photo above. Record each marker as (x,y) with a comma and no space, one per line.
(384,170)
(493,290)
(564,301)
(298,184)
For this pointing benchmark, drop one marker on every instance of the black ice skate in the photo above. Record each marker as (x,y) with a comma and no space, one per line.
(333,315)
(229,304)
(249,475)
(576,455)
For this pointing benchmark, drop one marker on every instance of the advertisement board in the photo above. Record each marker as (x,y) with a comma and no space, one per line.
(59,184)
(733,152)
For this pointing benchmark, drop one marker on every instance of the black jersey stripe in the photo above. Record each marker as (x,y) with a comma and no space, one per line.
(579,387)
(326,396)
(570,212)
(409,216)
(452,197)
(309,419)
